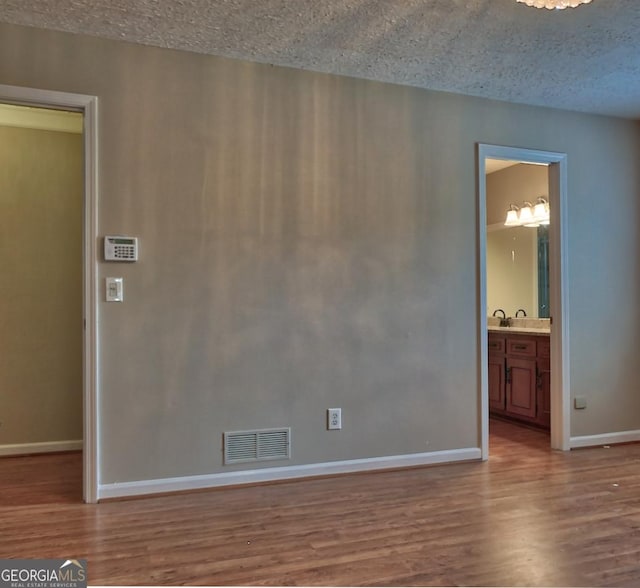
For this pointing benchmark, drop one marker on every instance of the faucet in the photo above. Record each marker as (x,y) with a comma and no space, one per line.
(504,321)
(522,310)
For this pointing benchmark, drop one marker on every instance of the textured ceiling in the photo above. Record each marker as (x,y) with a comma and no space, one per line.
(585,59)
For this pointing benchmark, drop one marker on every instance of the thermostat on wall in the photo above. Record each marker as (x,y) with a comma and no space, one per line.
(121,248)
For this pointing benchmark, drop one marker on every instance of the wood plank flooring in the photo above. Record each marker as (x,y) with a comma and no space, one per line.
(527,517)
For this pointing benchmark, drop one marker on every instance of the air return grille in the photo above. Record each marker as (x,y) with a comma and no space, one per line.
(260,445)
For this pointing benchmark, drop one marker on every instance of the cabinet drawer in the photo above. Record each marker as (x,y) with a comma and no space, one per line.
(544,347)
(525,347)
(496,344)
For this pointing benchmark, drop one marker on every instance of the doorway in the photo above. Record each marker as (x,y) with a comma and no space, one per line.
(559,373)
(39,102)
(41,264)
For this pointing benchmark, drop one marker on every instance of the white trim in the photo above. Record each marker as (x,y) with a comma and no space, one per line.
(91,365)
(481,311)
(123,489)
(605,439)
(559,289)
(559,304)
(89,106)
(48,447)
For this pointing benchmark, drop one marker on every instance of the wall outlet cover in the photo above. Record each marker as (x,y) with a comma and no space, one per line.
(334,418)
(580,402)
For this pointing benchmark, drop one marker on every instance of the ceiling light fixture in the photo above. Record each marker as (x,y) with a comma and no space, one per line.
(554,4)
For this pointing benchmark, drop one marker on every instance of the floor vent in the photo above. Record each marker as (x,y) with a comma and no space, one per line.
(261,445)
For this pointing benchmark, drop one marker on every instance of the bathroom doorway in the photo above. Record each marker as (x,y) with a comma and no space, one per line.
(555,164)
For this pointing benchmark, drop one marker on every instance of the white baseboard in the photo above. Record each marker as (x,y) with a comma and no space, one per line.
(48,447)
(604,439)
(124,489)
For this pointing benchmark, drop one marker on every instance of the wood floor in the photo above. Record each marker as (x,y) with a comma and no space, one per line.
(527,517)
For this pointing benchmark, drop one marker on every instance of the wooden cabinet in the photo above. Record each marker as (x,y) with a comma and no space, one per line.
(520,389)
(519,382)
(544,383)
(496,383)
(496,373)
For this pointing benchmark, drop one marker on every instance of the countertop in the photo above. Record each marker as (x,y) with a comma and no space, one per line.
(520,325)
(520,330)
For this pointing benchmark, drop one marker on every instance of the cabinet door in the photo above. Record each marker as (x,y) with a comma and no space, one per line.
(521,389)
(496,383)
(544,392)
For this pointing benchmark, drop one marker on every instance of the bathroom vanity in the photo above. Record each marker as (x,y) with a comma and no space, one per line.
(519,375)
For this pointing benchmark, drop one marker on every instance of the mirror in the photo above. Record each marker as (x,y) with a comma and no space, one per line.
(518,270)
(517,257)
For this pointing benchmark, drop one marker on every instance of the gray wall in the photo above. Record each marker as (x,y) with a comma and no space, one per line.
(309,241)
(41,183)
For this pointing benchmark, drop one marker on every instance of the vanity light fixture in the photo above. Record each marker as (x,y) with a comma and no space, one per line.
(529,215)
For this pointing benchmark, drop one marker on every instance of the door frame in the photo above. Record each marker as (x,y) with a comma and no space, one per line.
(558,288)
(88,106)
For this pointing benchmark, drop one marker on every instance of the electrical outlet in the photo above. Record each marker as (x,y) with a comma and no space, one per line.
(334,418)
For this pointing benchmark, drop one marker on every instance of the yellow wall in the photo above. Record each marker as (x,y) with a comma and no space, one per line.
(41,183)
(514,185)
(512,253)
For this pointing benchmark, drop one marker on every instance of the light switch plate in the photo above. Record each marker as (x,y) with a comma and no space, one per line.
(114,289)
